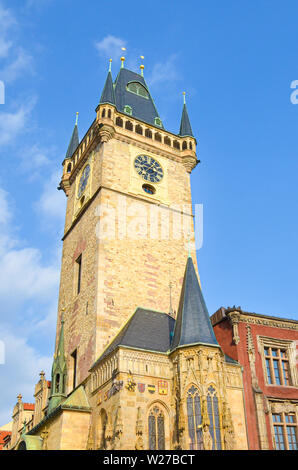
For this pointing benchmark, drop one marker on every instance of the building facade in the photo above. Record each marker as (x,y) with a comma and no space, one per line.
(137,363)
(266,347)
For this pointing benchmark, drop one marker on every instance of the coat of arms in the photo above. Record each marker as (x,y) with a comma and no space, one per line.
(151,388)
(163,387)
(131,385)
(141,388)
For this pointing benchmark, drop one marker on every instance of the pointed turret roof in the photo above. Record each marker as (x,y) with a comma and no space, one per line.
(193,324)
(185,127)
(108,95)
(59,361)
(74,142)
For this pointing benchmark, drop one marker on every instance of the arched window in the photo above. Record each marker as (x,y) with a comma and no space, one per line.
(213,413)
(194,418)
(129,126)
(57,383)
(156,426)
(139,130)
(109,113)
(157,137)
(167,140)
(102,429)
(148,133)
(184,145)
(176,144)
(138,89)
(69,168)
(103,114)
(190,145)
(119,121)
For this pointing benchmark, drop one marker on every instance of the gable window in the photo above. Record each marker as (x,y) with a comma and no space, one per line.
(138,89)
(157,122)
(128,109)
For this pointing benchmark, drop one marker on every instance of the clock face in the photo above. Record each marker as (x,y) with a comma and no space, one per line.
(84,180)
(148,168)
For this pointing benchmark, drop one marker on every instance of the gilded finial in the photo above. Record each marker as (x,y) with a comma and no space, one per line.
(142,70)
(110,65)
(122,58)
(183,93)
(77,118)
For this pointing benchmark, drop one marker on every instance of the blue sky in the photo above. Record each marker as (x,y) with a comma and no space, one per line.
(236,60)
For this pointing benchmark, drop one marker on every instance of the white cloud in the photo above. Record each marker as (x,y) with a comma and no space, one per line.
(13,123)
(20,63)
(16,59)
(52,203)
(20,372)
(164,71)
(110,47)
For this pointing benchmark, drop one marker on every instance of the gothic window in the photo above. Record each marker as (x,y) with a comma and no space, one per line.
(57,384)
(176,144)
(213,413)
(190,145)
(285,431)
(184,145)
(156,426)
(69,168)
(194,417)
(148,133)
(109,113)
(103,114)
(119,121)
(157,137)
(129,126)
(138,89)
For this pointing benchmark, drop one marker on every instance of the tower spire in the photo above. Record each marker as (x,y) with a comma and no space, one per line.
(193,324)
(185,127)
(59,371)
(74,141)
(108,95)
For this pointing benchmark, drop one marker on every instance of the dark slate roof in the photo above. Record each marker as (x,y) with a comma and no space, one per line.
(185,127)
(230,360)
(74,142)
(142,108)
(147,330)
(108,95)
(193,324)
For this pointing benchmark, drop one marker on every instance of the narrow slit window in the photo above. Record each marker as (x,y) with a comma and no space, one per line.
(79,273)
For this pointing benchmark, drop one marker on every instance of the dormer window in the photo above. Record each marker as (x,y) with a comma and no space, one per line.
(157,122)
(138,89)
(128,109)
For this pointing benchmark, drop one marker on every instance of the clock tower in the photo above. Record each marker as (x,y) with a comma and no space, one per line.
(128,221)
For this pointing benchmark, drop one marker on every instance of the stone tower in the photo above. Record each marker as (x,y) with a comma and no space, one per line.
(128,219)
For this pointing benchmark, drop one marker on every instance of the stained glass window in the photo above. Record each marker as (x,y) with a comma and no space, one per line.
(194,417)
(213,413)
(156,424)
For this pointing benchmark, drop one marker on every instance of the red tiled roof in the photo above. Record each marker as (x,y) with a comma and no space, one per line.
(29,406)
(3,435)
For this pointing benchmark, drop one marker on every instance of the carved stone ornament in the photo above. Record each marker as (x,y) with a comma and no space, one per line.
(105,132)
(234,319)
